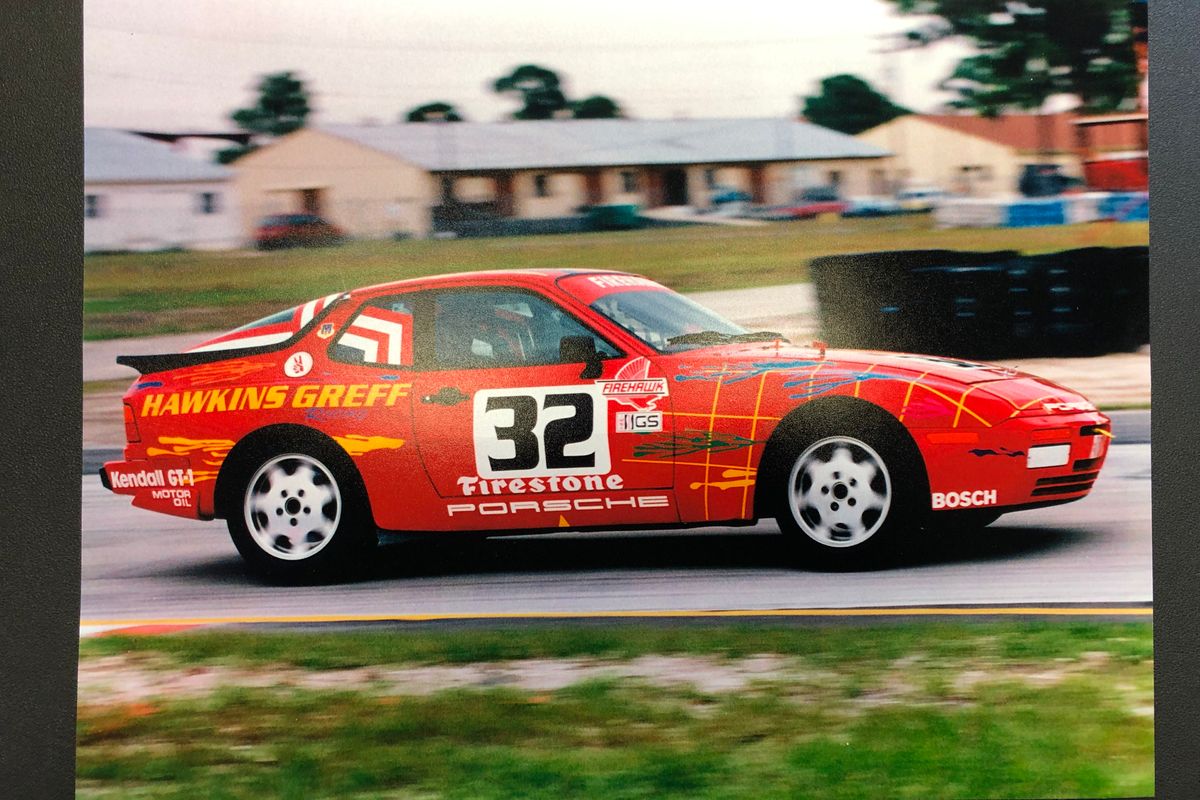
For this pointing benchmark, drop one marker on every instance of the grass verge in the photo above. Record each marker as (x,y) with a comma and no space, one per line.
(903,711)
(144,294)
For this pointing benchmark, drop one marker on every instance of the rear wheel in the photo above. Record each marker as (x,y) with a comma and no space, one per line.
(300,514)
(845,498)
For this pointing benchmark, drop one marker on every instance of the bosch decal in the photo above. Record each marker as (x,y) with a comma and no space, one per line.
(965,499)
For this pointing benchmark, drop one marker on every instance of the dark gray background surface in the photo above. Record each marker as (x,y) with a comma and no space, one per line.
(41,236)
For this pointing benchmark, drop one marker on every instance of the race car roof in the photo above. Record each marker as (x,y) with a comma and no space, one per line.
(526,277)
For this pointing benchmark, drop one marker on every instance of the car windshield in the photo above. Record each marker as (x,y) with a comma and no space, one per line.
(666,321)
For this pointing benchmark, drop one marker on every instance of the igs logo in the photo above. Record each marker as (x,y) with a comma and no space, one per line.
(639,421)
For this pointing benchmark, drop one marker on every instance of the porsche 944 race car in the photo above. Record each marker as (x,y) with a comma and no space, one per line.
(521,401)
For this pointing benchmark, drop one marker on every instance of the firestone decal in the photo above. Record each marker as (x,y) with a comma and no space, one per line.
(965,499)
(554,484)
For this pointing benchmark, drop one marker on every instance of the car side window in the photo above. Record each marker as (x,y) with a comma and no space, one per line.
(478,329)
(379,334)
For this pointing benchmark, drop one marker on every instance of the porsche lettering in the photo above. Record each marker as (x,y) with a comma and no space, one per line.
(559,506)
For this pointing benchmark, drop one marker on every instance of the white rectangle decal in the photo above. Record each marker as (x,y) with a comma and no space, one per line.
(1049,455)
(541,431)
(639,421)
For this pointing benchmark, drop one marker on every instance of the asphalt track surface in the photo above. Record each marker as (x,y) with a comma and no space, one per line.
(143,566)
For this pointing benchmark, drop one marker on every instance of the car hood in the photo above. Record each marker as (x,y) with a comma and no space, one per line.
(1021,389)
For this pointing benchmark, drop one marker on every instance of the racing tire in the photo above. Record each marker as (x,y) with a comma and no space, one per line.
(847,495)
(300,514)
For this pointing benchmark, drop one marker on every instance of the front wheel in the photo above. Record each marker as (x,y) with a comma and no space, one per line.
(301,515)
(849,499)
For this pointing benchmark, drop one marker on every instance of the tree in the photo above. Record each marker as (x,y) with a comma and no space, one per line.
(849,104)
(282,107)
(596,107)
(541,94)
(440,111)
(1028,52)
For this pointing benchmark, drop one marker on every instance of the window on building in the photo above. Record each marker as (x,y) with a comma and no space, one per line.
(835,178)
(710,178)
(879,182)
(629,181)
(207,203)
(541,185)
(91,206)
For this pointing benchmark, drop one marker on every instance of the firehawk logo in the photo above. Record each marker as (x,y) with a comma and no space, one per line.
(632,386)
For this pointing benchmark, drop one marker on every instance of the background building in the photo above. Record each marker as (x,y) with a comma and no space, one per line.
(980,157)
(140,195)
(419,177)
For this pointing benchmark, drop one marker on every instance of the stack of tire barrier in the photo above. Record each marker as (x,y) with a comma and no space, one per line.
(986,304)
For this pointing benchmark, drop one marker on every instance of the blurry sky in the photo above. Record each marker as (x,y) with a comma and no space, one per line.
(187,65)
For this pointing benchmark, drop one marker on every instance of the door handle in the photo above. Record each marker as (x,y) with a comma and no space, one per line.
(446,396)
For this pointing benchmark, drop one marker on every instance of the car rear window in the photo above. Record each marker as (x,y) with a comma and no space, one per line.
(274,329)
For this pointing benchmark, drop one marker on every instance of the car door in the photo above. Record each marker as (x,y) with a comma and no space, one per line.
(515,434)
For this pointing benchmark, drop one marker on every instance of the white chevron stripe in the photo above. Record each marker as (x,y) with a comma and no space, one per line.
(247,341)
(394,332)
(369,347)
(306,315)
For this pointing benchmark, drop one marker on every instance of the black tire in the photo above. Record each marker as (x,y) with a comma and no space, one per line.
(299,512)
(848,489)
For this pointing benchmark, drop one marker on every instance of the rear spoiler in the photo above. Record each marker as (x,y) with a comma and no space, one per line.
(168,361)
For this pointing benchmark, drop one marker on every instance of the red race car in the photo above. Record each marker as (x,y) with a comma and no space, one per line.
(541,400)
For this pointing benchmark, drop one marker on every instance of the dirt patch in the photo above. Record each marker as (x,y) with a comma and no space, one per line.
(125,679)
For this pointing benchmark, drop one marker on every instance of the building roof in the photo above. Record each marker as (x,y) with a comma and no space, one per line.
(115,156)
(1021,131)
(545,144)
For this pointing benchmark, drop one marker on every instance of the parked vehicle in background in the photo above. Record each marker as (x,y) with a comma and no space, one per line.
(296,230)
(919,199)
(872,207)
(812,202)
(1046,180)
